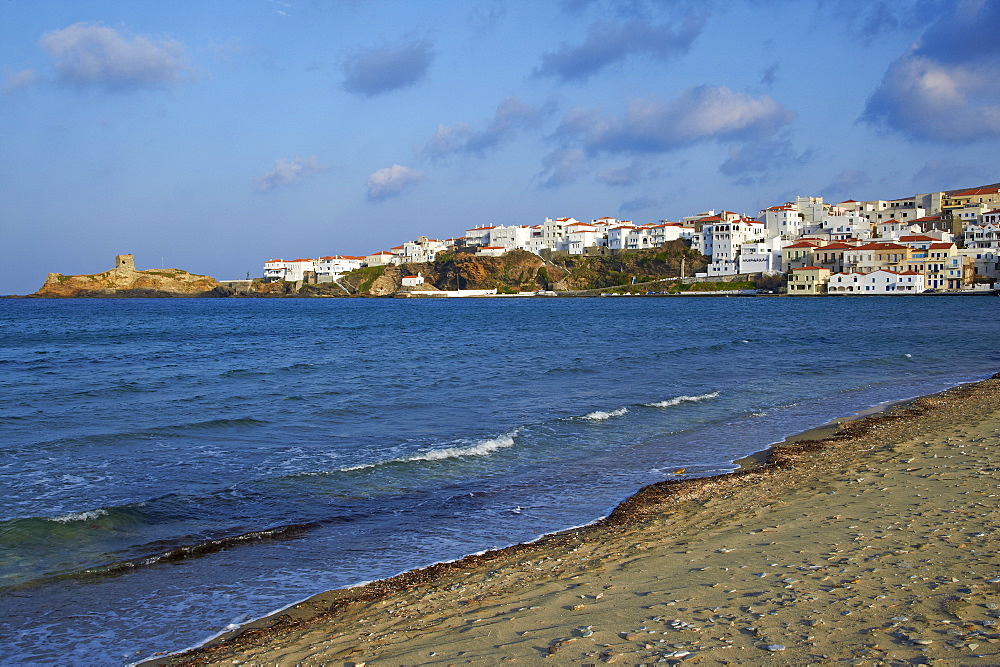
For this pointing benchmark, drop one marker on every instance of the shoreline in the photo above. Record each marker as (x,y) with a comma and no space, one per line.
(670,513)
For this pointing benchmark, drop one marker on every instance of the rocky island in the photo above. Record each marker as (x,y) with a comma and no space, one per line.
(125,281)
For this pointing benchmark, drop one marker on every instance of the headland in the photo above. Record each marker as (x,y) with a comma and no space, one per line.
(125,281)
(875,541)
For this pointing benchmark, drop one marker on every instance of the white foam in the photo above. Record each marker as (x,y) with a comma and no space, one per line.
(483,448)
(600,415)
(677,400)
(79,516)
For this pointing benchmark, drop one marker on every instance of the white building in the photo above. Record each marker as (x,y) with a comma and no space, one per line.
(879,282)
(422,250)
(296,269)
(554,231)
(892,229)
(536,242)
(511,237)
(491,251)
(275,269)
(479,236)
(581,236)
(382,258)
(618,237)
(986,235)
(413,281)
(760,256)
(726,239)
(328,268)
(986,261)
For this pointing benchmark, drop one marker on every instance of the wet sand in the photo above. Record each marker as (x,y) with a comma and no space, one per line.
(873,542)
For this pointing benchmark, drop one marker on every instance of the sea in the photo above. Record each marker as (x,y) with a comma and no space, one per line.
(171,468)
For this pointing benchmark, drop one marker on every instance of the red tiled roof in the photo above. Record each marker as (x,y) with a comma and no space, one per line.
(988,190)
(882,246)
(942,246)
(803,244)
(807,268)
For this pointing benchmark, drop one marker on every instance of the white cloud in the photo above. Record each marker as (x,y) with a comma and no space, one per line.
(702,113)
(511,115)
(611,42)
(561,167)
(946,87)
(289,172)
(392,181)
(376,71)
(91,54)
(17,80)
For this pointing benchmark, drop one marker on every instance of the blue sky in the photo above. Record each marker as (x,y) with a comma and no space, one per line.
(213,136)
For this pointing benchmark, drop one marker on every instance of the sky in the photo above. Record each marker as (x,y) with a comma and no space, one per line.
(213,135)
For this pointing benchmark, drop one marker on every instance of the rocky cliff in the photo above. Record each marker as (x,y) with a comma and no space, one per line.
(515,271)
(125,281)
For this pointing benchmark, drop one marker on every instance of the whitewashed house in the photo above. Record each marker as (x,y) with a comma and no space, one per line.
(762,256)
(422,250)
(665,231)
(290,270)
(510,237)
(381,258)
(618,237)
(985,235)
(554,231)
(479,236)
(640,238)
(328,268)
(536,241)
(727,239)
(275,269)
(581,236)
(413,281)
(881,282)
(784,221)
(892,229)
(491,251)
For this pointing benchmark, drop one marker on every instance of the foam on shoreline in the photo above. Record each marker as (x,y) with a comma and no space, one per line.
(858,434)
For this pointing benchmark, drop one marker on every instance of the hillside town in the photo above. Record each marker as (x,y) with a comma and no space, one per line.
(945,241)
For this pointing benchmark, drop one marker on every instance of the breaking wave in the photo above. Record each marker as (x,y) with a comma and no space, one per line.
(79,516)
(601,415)
(481,448)
(677,400)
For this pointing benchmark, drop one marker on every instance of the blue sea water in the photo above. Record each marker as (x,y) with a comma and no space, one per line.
(170,467)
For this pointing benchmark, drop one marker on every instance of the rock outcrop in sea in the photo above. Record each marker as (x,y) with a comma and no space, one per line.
(125,281)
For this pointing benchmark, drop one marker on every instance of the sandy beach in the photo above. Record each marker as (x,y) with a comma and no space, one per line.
(876,541)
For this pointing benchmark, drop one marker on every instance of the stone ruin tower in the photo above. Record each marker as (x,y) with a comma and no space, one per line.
(125,263)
